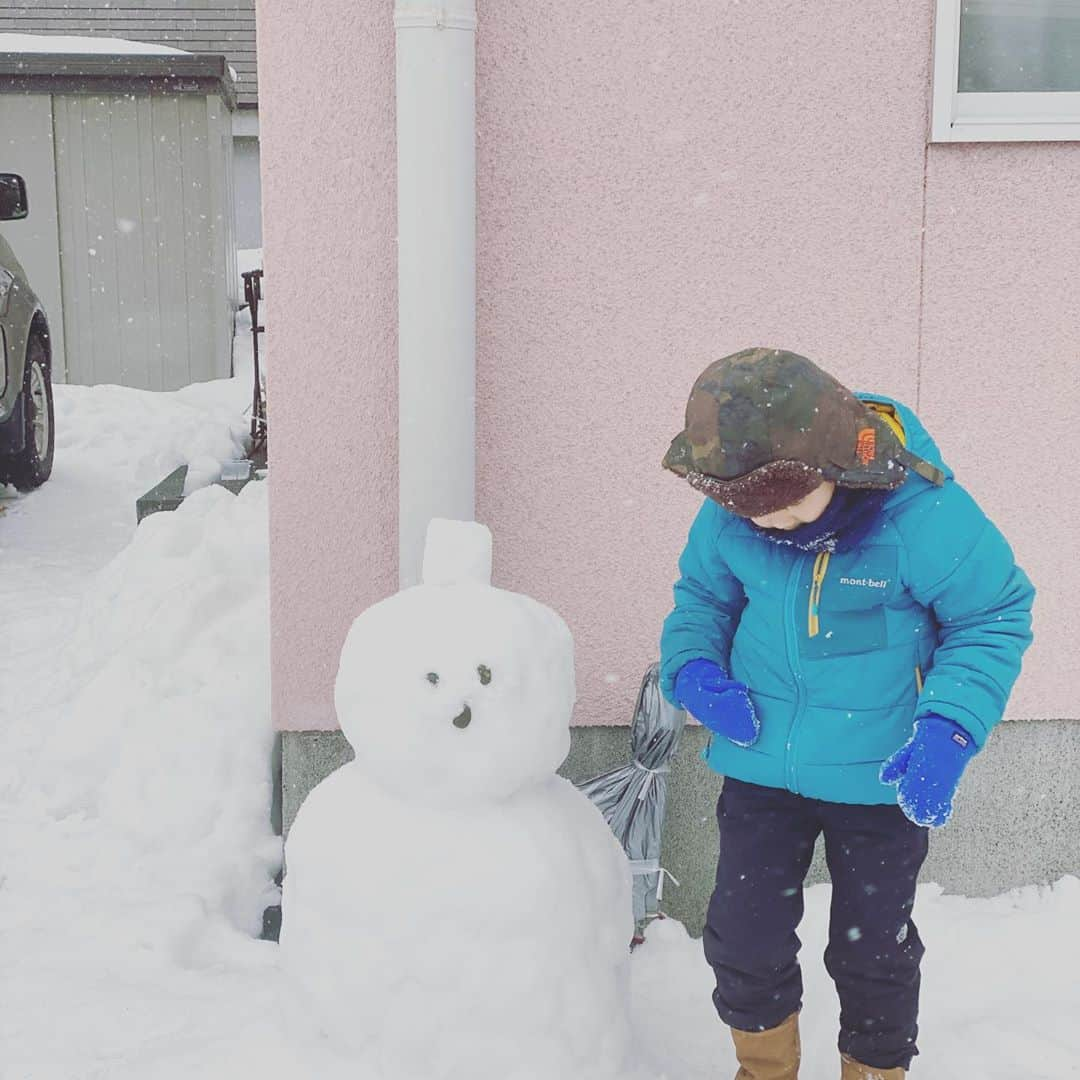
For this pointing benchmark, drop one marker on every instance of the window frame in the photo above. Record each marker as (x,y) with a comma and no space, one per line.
(1023,116)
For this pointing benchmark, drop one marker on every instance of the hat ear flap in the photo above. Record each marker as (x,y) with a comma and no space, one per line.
(876,456)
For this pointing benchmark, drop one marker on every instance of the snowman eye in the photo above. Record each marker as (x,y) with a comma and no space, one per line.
(433,678)
(485,674)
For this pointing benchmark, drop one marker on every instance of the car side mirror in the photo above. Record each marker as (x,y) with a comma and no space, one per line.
(13,204)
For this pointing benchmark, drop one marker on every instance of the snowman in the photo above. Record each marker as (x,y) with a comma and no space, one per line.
(453,908)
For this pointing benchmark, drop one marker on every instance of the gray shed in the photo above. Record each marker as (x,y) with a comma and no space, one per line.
(128,163)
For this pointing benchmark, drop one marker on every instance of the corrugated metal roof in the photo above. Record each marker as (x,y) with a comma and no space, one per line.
(226,27)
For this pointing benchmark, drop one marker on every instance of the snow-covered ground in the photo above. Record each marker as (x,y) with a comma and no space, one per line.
(135,851)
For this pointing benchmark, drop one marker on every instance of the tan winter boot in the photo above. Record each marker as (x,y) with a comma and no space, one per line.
(769,1055)
(850,1069)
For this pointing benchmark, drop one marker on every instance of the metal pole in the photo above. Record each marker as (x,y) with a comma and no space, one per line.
(252,294)
(436,198)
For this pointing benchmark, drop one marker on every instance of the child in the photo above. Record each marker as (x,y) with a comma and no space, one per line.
(848,624)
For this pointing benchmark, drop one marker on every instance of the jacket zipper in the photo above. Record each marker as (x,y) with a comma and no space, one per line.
(791,635)
(821,566)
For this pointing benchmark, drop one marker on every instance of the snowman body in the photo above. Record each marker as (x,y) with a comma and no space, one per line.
(453,908)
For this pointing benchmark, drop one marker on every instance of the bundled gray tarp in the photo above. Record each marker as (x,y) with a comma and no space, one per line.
(633,797)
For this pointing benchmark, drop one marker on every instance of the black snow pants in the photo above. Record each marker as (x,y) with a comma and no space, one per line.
(874,854)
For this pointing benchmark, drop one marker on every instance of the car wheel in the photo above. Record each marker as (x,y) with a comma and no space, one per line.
(32,465)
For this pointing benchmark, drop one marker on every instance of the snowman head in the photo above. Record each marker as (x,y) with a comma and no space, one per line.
(452,691)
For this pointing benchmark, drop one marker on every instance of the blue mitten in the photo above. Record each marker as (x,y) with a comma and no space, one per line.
(927,769)
(721,704)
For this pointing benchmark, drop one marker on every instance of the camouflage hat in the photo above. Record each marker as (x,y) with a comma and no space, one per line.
(765,428)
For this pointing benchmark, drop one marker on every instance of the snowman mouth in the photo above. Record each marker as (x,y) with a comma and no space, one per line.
(463,718)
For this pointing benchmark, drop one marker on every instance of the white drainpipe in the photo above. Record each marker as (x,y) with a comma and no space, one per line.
(436,197)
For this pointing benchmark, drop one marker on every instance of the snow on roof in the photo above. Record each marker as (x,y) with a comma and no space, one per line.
(74,43)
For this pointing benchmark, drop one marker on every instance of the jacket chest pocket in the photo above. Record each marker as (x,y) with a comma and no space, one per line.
(846,597)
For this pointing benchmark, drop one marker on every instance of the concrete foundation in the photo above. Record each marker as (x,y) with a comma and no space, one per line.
(1017,819)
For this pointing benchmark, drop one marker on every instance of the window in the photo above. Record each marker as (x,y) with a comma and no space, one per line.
(1006,70)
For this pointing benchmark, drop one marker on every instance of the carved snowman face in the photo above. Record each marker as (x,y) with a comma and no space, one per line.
(457,693)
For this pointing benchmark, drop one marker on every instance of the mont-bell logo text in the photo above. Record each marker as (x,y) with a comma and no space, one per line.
(866,582)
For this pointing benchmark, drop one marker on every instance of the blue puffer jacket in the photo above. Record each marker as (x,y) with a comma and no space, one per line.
(843,652)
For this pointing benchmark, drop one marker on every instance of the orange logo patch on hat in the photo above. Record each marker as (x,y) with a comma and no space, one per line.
(866,447)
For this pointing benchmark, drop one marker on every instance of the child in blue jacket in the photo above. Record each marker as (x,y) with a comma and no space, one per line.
(848,624)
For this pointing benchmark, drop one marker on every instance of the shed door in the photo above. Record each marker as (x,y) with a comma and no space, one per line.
(136,244)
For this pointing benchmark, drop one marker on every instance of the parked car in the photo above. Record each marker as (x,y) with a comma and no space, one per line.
(26,402)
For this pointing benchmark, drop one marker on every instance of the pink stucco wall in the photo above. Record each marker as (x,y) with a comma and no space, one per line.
(658,184)
(1001,349)
(326,116)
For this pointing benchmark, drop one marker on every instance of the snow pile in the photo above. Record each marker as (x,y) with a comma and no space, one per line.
(167,734)
(140,437)
(452,907)
(137,846)
(80,43)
